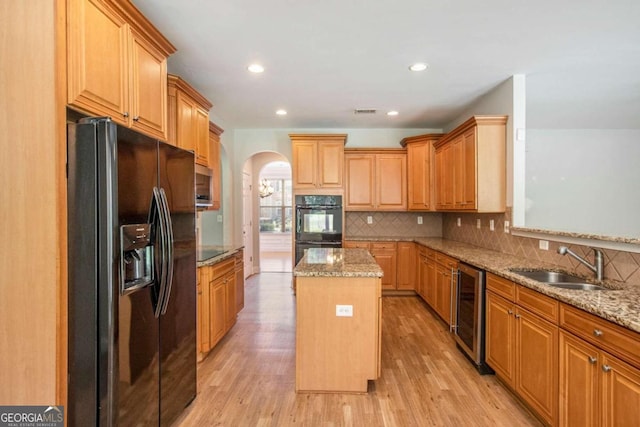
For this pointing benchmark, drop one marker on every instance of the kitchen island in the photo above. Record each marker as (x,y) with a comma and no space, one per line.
(338,320)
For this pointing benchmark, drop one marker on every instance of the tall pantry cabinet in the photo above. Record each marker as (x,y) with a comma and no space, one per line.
(101,58)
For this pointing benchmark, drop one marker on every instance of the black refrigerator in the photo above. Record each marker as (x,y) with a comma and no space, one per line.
(132,277)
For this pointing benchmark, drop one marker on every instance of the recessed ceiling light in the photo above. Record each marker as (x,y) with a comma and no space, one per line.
(392,113)
(255,68)
(420,66)
(281,112)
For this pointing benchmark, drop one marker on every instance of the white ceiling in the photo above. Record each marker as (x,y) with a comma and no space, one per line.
(325,58)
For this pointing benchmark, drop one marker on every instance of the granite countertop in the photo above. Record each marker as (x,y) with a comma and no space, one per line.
(208,255)
(323,262)
(620,304)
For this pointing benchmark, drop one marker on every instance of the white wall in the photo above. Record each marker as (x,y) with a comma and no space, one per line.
(583,181)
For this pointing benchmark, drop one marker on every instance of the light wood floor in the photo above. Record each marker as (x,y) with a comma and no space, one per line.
(249,378)
(276,262)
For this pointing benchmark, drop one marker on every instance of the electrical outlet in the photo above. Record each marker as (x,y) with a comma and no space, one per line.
(492,225)
(478,223)
(344,310)
(219,218)
(543,244)
(506,226)
(459,222)
(419,220)
(369,219)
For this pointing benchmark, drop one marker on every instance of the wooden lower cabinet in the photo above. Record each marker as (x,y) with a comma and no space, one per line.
(522,348)
(596,388)
(406,266)
(239,271)
(217,303)
(537,363)
(385,254)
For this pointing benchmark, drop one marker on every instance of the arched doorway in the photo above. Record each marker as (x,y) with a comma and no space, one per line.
(275,213)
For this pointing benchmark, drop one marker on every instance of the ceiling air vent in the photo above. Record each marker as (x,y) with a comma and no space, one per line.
(364,111)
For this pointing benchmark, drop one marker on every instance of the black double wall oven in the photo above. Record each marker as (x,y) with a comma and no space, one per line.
(318,223)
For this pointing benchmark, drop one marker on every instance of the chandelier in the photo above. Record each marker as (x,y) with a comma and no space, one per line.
(265,189)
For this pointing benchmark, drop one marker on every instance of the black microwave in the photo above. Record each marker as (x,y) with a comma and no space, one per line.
(204,187)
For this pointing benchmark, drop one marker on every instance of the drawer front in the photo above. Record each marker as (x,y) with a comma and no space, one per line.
(503,287)
(538,303)
(355,244)
(613,338)
(446,260)
(221,268)
(422,250)
(431,254)
(383,245)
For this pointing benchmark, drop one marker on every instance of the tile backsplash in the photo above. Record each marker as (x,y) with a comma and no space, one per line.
(393,224)
(619,265)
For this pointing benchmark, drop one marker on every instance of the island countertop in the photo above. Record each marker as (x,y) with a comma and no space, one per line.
(323,262)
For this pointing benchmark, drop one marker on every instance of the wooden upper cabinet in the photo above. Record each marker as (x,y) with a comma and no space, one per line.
(375,180)
(360,181)
(188,119)
(215,165)
(117,65)
(470,164)
(420,169)
(318,161)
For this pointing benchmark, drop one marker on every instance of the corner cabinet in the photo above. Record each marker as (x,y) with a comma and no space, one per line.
(318,161)
(470,166)
(117,65)
(420,171)
(375,180)
(188,119)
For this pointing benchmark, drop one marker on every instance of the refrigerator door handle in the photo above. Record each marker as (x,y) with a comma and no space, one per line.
(158,219)
(169,252)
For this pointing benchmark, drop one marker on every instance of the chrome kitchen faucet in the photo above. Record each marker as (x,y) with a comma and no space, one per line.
(597,267)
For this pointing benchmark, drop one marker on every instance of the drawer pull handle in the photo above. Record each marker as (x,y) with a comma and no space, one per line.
(597,332)
(606,368)
(125,114)
(593,360)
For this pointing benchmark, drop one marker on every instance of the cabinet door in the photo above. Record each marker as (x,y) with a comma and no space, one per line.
(304,164)
(202,136)
(431,283)
(216,310)
(97,46)
(422,276)
(148,88)
(391,182)
(386,259)
(500,337)
(239,286)
(468,158)
(203,310)
(330,164)
(578,378)
(537,363)
(185,122)
(418,181)
(620,393)
(406,274)
(359,181)
(230,300)
(456,163)
(443,292)
(214,164)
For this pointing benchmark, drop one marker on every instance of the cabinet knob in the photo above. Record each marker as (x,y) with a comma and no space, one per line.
(597,333)
(517,316)
(136,118)
(510,311)
(606,368)
(593,360)
(125,114)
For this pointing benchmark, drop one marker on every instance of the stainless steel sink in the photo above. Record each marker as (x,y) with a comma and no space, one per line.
(578,286)
(559,280)
(545,276)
